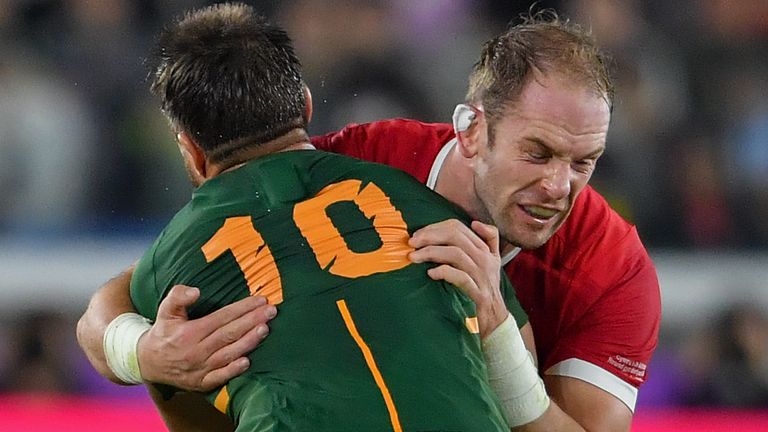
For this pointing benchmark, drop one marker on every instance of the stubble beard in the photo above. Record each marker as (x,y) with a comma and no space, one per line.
(530,238)
(484,213)
(511,231)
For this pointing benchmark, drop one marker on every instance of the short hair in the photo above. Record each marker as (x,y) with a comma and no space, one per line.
(229,78)
(540,42)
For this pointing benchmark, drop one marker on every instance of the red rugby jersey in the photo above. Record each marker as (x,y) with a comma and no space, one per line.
(591,291)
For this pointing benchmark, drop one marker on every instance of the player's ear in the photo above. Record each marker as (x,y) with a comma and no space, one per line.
(470,126)
(308,108)
(193,155)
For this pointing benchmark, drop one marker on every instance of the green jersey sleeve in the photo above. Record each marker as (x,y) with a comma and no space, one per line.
(513,304)
(145,294)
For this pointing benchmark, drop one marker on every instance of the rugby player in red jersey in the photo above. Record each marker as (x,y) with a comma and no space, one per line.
(519,155)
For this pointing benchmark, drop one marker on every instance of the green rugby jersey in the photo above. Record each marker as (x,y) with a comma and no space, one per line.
(364,340)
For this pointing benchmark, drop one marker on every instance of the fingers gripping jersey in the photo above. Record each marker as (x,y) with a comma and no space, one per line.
(364,340)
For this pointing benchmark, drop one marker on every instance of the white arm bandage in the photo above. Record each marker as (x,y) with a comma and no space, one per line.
(513,376)
(121,341)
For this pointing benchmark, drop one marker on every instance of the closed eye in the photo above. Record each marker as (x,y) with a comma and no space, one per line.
(539,156)
(536,150)
(584,165)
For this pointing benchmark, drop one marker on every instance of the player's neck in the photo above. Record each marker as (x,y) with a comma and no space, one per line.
(455,181)
(297,139)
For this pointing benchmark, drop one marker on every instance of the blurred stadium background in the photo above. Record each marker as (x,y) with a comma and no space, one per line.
(89,173)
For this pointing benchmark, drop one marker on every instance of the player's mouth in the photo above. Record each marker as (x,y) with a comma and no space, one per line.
(541,213)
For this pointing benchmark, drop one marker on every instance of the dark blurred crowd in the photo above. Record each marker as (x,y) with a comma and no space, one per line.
(85,150)
(720,363)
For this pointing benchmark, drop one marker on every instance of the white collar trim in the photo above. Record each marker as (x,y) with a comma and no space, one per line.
(437,165)
(509,256)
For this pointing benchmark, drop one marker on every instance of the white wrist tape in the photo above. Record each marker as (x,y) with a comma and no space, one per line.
(121,341)
(513,376)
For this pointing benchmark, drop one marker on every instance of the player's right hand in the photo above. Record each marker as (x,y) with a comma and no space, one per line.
(205,353)
(470,260)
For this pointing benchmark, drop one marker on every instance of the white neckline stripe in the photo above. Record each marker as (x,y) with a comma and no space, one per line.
(597,376)
(438,163)
(509,255)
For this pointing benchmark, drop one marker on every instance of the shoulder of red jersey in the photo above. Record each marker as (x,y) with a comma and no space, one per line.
(593,231)
(409,145)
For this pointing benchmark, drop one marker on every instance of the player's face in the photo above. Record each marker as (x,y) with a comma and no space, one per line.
(538,157)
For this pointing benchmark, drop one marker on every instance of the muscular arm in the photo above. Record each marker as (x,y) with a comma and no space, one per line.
(110,300)
(192,355)
(593,408)
(195,355)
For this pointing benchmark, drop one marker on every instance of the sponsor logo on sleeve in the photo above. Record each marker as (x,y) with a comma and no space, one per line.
(634,370)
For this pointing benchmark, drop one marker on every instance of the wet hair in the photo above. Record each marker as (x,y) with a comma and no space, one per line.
(541,42)
(229,78)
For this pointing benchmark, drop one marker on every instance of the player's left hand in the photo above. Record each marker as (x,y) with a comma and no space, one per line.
(203,353)
(470,260)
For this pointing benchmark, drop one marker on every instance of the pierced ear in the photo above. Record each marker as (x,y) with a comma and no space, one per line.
(194,154)
(476,135)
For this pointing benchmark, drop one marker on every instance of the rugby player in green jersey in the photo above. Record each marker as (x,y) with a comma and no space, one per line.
(366,339)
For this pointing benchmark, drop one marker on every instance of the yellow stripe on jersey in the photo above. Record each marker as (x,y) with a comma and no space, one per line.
(371,362)
(222,400)
(472,325)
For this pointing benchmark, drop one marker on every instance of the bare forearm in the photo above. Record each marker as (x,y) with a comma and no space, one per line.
(112,299)
(591,407)
(553,419)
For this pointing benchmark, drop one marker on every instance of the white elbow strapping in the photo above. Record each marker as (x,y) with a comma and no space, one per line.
(121,341)
(513,376)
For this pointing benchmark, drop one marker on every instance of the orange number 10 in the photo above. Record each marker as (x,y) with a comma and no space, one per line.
(255,259)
